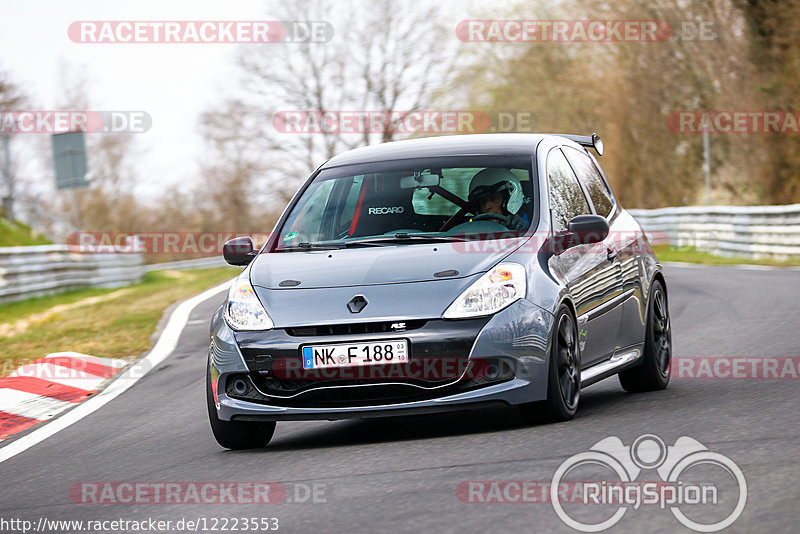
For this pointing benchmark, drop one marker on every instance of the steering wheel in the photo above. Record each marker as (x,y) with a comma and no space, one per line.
(490,217)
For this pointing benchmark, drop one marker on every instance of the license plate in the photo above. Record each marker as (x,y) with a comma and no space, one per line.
(355,354)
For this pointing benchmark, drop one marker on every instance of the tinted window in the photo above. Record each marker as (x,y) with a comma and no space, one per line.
(382,198)
(457,181)
(566,196)
(591,180)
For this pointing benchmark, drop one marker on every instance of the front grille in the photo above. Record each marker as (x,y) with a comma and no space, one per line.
(276,375)
(285,382)
(340,395)
(265,388)
(355,328)
(365,395)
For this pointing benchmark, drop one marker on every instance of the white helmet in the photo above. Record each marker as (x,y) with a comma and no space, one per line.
(492,180)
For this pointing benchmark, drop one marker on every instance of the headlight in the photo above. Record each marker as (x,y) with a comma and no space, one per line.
(243,311)
(492,292)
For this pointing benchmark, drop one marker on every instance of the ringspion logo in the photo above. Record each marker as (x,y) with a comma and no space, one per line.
(692,487)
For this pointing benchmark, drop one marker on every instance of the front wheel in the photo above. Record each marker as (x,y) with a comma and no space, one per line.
(237,435)
(564,375)
(653,373)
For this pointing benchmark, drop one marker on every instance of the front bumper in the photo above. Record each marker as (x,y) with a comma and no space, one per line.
(473,363)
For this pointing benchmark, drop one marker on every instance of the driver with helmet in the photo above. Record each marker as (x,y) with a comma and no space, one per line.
(489,193)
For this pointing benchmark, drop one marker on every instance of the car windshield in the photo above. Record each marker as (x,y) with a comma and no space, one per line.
(412,201)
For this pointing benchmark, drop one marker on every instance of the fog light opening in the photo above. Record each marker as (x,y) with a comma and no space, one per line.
(239,386)
(492,371)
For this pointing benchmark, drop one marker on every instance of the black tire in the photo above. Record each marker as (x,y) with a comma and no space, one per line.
(237,435)
(653,373)
(564,374)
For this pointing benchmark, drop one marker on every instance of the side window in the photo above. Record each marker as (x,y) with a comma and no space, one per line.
(566,196)
(309,216)
(591,180)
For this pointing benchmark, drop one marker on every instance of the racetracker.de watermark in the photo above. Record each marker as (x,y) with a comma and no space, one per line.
(205,243)
(187,243)
(734,121)
(582,31)
(736,368)
(404,122)
(197,492)
(325,364)
(199,31)
(53,121)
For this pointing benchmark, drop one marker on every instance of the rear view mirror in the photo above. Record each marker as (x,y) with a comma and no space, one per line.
(420,179)
(239,250)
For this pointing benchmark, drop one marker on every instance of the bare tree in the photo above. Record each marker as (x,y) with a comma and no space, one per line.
(109,203)
(384,56)
(627,91)
(233,195)
(11,97)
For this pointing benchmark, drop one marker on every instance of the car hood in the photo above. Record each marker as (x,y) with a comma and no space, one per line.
(390,264)
(397,282)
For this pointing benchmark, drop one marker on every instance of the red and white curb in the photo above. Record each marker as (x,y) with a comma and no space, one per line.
(163,348)
(43,388)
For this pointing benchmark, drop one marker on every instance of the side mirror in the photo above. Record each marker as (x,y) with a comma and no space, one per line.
(581,230)
(239,250)
(588,229)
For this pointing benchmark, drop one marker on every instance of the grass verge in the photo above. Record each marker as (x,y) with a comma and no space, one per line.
(692,255)
(116,323)
(13,234)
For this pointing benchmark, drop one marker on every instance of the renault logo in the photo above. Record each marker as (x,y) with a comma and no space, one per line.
(357,304)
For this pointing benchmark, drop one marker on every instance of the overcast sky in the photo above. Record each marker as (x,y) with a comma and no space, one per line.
(173,83)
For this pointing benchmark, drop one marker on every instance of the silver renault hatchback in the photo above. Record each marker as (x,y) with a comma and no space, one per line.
(436,274)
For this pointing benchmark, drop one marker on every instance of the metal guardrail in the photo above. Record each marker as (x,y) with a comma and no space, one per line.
(33,271)
(747,231)
(199,263)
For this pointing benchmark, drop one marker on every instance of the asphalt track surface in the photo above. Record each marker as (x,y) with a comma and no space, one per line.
(401,474)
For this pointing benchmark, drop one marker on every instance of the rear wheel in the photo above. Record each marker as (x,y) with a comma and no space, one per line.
(564,375)
(237,435)
(653,373)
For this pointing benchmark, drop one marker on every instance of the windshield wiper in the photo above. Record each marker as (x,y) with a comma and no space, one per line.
(375,241)
(312,246)
(402,237)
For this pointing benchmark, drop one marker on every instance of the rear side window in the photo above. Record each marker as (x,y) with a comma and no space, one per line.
(566,196)
(591,180)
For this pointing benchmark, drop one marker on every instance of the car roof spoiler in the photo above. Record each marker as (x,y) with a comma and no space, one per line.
(592,141)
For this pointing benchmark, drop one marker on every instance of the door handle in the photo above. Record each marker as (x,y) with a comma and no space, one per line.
(611,254)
